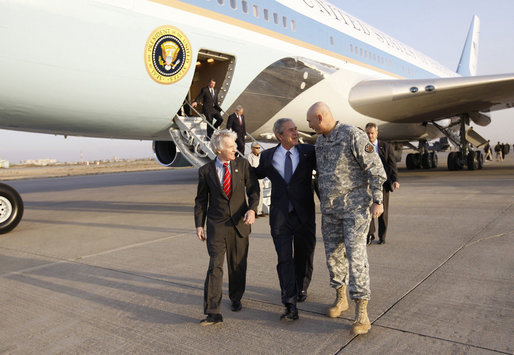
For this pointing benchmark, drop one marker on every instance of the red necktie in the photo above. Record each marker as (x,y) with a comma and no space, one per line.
(240,121)
(227,181)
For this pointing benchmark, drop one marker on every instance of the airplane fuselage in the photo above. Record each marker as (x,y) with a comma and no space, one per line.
(80,67)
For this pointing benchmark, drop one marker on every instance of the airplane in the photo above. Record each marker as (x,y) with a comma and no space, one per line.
(131,68)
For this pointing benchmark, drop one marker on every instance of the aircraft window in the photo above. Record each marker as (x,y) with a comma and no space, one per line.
(365,54)
(221,2)
(275,18)
(255,11)
(361,51)
(266,14)
(244,5)
(293,25)
(351,48)
(374,57)
(233,4)
(331,40)
(284,21)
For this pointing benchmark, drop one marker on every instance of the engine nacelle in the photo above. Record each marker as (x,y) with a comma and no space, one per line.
(167,154)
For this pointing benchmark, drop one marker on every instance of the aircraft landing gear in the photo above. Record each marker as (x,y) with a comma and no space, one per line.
(11,208)
(425,159)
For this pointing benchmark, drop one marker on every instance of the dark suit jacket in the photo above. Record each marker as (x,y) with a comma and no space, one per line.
(210,104)
(212,204)
(385,151)
(299,191)
(233,124)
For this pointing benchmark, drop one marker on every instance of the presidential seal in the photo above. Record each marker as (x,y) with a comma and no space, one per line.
(168,55)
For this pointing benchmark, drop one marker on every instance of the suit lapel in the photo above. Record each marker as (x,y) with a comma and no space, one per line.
(215,177)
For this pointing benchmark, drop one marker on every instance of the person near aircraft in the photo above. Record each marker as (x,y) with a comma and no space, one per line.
(289,166)
(499,152)
(488,151)
(386,154)
(350,178)
(223,186)
(236,122)
(211,109)
(254,158)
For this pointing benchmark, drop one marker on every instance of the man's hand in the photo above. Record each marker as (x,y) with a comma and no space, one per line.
(376,210)
(194,104)
(396,185)
(200,233)
(249,217)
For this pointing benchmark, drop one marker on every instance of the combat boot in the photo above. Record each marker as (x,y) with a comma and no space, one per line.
(340,304)
(361,325)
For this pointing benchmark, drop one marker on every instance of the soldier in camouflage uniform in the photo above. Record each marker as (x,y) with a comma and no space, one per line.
(350,178)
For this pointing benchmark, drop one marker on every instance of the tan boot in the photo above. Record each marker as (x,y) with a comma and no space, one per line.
(340,304)
(361,325)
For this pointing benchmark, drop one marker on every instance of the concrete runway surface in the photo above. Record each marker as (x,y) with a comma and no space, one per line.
(110,264)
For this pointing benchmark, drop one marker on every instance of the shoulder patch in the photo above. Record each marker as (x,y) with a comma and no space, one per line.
(369,148)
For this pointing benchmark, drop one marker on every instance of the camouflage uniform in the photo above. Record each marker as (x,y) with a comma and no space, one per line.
(350,177)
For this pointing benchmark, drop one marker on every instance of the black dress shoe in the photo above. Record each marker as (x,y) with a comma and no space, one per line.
(370,239)
(212,318)
(236,306)
(302,296)
(290,314)
(381,241)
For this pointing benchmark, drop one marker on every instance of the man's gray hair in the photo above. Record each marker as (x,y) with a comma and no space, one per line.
(371,125)
(239,108)
(278,126)
(217,139)
(255,144)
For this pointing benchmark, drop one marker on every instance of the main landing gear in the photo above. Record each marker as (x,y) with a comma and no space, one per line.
(425,160)
(11,208)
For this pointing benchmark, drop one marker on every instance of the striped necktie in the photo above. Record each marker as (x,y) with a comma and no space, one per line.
(227,181)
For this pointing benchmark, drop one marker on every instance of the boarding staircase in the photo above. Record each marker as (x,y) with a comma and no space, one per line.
(190,135)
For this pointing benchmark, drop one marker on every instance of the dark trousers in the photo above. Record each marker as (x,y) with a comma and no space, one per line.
(294,243)
(209,116)
(382,220)
(237,254)
(240,146)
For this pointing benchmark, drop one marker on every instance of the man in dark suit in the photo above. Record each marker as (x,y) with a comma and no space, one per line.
(385,151)
(236,122)
(289,166)
(223,185)
(211,109)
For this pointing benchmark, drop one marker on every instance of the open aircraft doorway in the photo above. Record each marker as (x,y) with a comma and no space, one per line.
(212,65)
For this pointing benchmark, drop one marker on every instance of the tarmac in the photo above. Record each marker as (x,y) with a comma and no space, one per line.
(110,264)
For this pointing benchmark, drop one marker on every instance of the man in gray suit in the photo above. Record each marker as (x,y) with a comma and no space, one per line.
(223,185)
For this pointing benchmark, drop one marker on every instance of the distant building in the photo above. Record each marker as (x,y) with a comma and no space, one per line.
(4,164)
(41,162)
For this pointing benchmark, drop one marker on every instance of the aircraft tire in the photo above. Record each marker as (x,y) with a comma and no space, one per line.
(425,161)
(409,161)
(480,159)
(451,161)
(472,160)
(434,160)
(11,208)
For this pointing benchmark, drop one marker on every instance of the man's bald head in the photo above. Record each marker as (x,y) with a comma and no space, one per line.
(320,118)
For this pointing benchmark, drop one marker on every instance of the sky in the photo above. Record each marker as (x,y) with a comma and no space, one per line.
(438,28)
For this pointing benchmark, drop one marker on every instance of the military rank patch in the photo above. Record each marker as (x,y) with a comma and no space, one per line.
(168,55)
(369,148)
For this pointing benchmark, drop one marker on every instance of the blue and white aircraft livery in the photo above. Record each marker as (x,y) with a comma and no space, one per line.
(131,68)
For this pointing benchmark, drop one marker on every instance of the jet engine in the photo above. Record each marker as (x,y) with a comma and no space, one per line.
(167,154)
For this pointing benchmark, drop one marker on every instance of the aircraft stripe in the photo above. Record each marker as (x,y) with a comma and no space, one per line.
(303,28)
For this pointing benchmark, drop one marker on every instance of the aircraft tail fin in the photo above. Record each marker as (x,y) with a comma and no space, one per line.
(469,57)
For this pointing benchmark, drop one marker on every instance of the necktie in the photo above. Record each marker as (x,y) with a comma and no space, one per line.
(212,92)
(240,121)
(227,181)
(288,167)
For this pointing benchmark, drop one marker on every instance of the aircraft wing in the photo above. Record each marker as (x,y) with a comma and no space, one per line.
(412,101)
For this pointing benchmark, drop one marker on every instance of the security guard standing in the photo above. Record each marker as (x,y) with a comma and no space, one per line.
(350,178)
